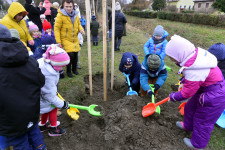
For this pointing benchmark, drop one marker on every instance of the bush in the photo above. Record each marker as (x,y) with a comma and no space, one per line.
(161,15)
(221,20)
(141,14)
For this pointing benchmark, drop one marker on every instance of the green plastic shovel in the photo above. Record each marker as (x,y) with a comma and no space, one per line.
(90,109)
(153,98)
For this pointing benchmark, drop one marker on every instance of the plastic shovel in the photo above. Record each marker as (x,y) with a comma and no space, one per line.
(90,109)
(153,98)
(151,107)
(221,121)
(130,92)
(168,68)
(72,112)
(181,107)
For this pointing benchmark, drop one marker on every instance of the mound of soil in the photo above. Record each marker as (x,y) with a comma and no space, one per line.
(122,125)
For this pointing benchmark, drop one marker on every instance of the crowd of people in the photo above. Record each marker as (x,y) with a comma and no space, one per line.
(34,51)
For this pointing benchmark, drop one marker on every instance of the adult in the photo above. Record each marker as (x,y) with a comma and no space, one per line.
(120,20)
(67,27)
(47,4)
(54,12)
(14,20)
(34,13)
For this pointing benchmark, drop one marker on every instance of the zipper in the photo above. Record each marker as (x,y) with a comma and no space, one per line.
(23,31)
(154,48)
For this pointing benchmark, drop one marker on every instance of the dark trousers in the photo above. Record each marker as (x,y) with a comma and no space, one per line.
(73,62)
(94,38)
(83,27)
(48,18)
(118,41)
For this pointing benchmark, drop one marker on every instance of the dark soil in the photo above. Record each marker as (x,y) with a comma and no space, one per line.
(122,127)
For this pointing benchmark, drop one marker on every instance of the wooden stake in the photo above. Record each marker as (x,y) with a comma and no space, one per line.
(104,48)
(113,40)
(87,4)
(93,7)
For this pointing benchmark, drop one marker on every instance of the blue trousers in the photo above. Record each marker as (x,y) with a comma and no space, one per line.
(94,38)
(32,140)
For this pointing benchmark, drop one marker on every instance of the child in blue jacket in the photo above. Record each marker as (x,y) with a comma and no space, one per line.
(129,65)
(83,22)
(153,71)
(157,43)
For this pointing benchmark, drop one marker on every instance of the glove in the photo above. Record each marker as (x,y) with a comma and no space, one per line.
(150,93)
(66,105)
(156,86)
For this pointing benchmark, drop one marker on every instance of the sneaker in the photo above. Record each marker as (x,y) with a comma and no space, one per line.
(69,74)
(187,141)
(43,128)
(180,124)
(56,131)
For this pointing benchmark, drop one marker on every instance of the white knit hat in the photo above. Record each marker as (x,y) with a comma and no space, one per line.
(117,7)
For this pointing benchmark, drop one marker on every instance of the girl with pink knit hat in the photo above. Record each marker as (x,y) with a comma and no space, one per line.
(51,63)
(204,83)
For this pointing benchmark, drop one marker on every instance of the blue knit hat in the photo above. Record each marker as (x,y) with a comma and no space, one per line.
(218,50)
(93,17)
(4,33)
(159,31)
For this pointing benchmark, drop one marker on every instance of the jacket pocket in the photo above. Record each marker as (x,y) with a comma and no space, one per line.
(201,100)
(66,32)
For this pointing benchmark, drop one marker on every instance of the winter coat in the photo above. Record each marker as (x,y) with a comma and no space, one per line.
(54,13)
(20,89)
(151,47)
(9,21)
(134,71)
(47,6)
(83,21)
(34,14)
(145,74)
(221,65)
(120,20)
(49,90)
(94,28)
(66,31)
(37,44)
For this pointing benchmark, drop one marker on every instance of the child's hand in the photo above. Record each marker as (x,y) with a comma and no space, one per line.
(66,105)
(31,42)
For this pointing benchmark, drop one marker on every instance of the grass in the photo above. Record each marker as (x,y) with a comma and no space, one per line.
(138,32)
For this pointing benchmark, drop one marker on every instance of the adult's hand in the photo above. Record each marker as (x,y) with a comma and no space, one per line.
(31,42)
(82,32)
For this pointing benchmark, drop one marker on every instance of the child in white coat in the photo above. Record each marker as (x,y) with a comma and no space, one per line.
(51,63)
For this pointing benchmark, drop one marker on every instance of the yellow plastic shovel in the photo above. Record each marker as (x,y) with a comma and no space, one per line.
(74,113)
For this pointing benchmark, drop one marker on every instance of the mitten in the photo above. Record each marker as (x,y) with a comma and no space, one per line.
(150,93)
(156,86)
(66,105)
(172,97)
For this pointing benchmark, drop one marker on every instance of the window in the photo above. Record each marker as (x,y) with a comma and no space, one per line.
(180,6)
(199,5)
(189,7)
(184,7)
(207,5)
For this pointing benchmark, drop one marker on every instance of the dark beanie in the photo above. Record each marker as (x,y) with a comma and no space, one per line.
(28,1)
(153,62)
(218,50)
(4,33)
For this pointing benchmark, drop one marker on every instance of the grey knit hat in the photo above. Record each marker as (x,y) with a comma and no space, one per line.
(4,33)
(159,31)
(153,62)
(14,33)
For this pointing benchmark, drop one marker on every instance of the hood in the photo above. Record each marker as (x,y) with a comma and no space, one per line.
(13,53)
(46,68)
(15,8)
(127,57)
(62,11)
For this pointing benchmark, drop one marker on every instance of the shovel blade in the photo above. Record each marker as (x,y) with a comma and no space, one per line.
(93,111)
(148,110)
(132,93)
(73,113)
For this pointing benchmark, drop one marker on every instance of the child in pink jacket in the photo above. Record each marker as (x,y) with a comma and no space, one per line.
(204,83)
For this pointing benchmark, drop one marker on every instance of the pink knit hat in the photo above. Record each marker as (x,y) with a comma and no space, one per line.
(56,56)
(32,26)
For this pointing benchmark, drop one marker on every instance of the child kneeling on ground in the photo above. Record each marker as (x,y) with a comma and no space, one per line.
(51,63)
(204,83)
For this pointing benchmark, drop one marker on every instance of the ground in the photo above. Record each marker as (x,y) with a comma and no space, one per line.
(122,125)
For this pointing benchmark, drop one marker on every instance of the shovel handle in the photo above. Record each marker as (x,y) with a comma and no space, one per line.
(79,107)
(162,101)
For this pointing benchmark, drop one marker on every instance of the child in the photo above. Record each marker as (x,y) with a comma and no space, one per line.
(42,17)
(20,89)
(204,83)
(157,43)
(129,65)
(153,71)
(80,37)
(47,30)
(83,22)
(94,30)
(51,63)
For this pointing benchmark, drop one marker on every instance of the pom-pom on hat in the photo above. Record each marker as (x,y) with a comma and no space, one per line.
(32,26)
(46,25)
(56,56)
(56,4)
(154,62)
(218,50)
(4,33)
(159,31)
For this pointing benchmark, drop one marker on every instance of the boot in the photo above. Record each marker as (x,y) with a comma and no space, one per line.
(180,125)
(189,144)
(96,43)
(69,74)
(75,72)
(56,131)
(93,43)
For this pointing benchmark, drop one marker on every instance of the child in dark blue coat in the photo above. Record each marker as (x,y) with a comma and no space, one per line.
(129,65)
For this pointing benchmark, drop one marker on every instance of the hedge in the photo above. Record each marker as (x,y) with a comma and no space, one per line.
(213,20)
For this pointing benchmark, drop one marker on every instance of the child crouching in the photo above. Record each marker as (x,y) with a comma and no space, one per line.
(51,63)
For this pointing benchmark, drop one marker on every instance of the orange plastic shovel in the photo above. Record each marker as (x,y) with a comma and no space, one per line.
(181,107)
(151,107)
